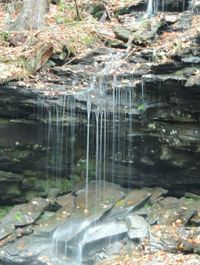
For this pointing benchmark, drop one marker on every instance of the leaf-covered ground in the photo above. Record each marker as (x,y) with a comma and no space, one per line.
(157,258)
(25,53)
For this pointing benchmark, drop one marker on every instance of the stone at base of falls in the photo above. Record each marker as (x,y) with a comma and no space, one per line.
(29,250)
(46,227)
(172,210)
(163,223)
(171,238)
(137,226)
(133,200)
(99,236)
(101,196)
(22,215)
(114,248)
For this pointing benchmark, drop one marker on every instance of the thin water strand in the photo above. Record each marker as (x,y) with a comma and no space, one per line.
(87,150)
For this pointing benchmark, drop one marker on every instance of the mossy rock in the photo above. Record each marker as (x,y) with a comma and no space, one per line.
(13,190)
(146,31)
(122,33)
(96,10)
(38,186)
(4,210)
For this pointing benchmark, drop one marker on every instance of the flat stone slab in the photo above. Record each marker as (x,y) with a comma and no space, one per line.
(171,211)
(173,239)
(103,231)
(95,238)
(101,197)
(48,226)
(156,193)
(101,194)
(22,215)
(23,251)
(137,226)
(132,201)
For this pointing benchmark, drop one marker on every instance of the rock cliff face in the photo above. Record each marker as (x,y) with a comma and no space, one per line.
(144,91)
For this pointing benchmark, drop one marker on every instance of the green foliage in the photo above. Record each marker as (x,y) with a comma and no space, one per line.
(120,203)
(59,19)
(189,200)
(14,190)
(4,210)
(18,216)
(4,35)
(80,169)
(30,195)
(147,205)
(87,40)
(62,5)
(141,107)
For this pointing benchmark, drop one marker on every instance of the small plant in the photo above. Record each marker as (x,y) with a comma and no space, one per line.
(4,35)
(141,107)
(4,210)
(147,205)
(190,200)
(62,5)
(59,19)
(18,217)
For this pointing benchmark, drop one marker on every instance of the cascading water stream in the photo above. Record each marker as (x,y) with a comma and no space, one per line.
(151,8)
(108,127)
(87,148)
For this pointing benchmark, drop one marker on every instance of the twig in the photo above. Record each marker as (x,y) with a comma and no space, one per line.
(108,12)
(77,11)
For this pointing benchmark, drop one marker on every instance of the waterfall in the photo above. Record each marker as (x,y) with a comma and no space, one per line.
(152,7)
(107,139)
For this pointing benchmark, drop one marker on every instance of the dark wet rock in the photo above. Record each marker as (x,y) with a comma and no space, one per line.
(156,194)
(135,6)
(137,227)
(90,209)
(22,215)
(176,216)
(191,202)
(174,239)
(26,250)
(164,78)
(147,30)
(26,214)
(192,196)
(159,91)
(102,235)
(114,248)
(88,235)
(166,237)
(46,226)
(133,201)
(171,211)
(96,10)
(169,67)
(100,194)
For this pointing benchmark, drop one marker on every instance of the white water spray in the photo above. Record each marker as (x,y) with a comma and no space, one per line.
(152,7)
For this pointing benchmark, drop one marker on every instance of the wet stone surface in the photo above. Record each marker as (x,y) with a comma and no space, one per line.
(155,81)
(142,219)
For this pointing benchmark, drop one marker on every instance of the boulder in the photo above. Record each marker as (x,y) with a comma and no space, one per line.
(137,227)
